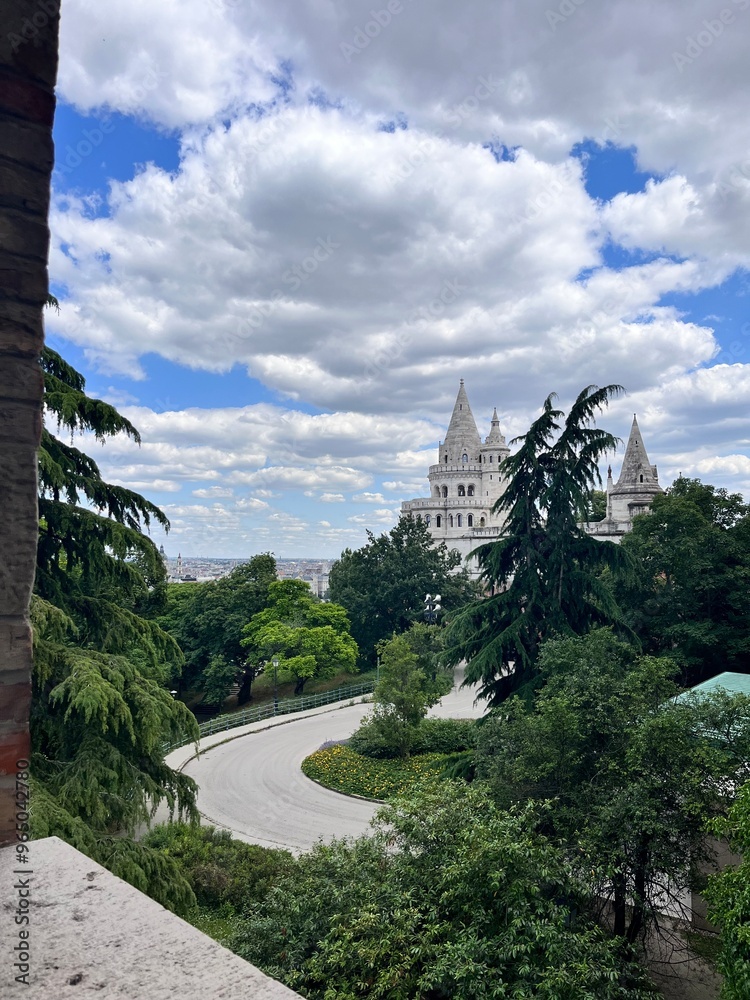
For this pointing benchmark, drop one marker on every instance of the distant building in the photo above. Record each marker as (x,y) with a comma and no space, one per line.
(632,494)
(464,484)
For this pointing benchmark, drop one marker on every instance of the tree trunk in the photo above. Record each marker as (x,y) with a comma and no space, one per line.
(639,890)
(245,692)
(619,905)
(28,70)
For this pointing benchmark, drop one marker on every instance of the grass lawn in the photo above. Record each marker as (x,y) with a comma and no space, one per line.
(343,770)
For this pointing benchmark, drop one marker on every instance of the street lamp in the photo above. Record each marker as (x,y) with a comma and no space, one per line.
(432,607)
(275,662)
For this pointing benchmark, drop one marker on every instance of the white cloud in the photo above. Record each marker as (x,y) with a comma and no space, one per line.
(380,516)
(213,491)
(332,497)
(364,271)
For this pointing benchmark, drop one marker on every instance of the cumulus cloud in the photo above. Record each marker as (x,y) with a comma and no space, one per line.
(362,214)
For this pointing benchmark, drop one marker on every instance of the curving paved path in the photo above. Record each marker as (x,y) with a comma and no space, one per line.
(254,787)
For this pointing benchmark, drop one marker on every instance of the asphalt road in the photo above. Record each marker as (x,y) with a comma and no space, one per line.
(254,787)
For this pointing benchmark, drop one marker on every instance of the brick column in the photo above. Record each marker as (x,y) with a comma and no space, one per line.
(28,70)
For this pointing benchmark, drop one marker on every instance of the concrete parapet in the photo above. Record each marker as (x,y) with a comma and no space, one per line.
(88,932)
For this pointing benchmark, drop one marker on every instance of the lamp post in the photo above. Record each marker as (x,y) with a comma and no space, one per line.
(275,662)
(432,607)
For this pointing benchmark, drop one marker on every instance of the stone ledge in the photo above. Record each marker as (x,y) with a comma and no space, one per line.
(90,933)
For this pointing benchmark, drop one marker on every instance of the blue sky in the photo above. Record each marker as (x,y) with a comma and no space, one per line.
(277,250)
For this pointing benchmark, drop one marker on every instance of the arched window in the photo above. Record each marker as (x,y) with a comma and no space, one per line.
(481,522)
(464,457)
(446,459)
(427,520)
(450,520)
(459,521)
(438,521)
(461,490)
(641,477)
(445,492)
(470,491)
(490,458)
(470,520)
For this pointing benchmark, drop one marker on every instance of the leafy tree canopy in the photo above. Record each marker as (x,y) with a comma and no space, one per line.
(100,711)
(409,684)
(543,574)
(310,638)
(687,595)
(383,584)
(729,896)
(207,620)
(450,897)
(635,775)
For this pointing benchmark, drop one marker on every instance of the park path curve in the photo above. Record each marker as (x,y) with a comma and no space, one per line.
(254,787)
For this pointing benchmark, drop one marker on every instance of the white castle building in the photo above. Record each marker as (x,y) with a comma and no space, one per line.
(632,493)
(465,484)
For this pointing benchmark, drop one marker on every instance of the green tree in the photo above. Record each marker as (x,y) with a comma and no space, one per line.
(451,897)
(207,622)
(310,638)
(635,775)
(544,574)
(100,712)
(408,686)
(597,509)
(687,595)
(383,584)
(728,894)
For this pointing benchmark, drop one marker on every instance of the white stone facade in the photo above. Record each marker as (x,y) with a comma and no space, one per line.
(464,484)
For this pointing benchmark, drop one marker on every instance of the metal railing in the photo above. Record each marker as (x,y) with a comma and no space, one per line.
(270,710)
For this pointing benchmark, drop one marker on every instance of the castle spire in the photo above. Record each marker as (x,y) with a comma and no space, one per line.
(462,437)
(495,437)
(636,468)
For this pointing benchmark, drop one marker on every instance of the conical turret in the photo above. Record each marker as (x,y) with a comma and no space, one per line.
(462,437)
(495,437)
(636,468)
(638,483)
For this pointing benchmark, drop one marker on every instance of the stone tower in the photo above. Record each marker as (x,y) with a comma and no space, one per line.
(633,492)
(464,483)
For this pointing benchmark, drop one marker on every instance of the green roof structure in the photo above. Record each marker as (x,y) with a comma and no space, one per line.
(729,681)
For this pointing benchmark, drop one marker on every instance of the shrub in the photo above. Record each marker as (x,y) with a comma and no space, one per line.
(431,736)
(222,872)
(342,769)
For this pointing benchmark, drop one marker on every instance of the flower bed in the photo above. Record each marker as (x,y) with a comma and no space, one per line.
(343,770)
